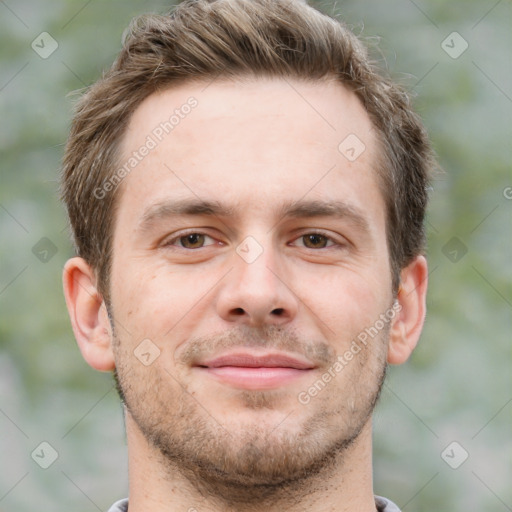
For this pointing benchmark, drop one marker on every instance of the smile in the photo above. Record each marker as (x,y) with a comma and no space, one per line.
(247,371)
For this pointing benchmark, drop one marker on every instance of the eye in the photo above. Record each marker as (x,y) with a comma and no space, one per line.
(191,241)
(314,241)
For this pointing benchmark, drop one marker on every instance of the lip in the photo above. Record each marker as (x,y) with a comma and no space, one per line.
(248,360)
(256,371)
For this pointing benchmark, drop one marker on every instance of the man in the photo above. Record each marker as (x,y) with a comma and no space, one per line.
(246,194)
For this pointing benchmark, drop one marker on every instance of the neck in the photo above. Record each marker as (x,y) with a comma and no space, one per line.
(343,484)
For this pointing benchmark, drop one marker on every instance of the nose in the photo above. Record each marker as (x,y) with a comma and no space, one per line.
(257,293)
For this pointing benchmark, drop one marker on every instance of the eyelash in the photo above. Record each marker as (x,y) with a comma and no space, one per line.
(172,241)
(331,239)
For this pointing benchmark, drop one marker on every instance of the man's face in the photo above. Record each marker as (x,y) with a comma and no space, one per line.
(249,252)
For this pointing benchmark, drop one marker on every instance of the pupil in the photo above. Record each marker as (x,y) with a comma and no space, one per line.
(316,240)
(194,239)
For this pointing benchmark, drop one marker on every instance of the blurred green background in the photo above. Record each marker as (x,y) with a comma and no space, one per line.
(457,386)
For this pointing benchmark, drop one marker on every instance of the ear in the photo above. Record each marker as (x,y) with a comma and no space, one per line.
(88,314)
(411,307)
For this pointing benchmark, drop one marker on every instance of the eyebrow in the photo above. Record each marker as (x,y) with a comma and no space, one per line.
(318,208)
(291,209)
(174,208)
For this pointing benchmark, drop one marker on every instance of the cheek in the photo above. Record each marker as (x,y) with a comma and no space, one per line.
(344,302)
(152,300)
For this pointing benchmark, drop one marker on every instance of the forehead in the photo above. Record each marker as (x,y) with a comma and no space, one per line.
(251,142)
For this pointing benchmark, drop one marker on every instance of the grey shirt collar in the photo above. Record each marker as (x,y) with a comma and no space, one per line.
(383,505)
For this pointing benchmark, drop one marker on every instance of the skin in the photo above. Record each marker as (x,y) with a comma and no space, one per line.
(255,147)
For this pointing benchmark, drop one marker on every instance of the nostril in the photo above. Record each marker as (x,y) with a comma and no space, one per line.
(238,311)
(278,311)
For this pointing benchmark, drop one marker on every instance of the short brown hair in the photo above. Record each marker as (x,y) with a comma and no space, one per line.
(206,39)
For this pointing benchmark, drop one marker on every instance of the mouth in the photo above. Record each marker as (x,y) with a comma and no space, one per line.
(256,372)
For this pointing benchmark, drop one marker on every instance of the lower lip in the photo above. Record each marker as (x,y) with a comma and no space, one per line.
(256,378)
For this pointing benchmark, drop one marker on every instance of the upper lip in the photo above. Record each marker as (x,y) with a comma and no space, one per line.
(248,360)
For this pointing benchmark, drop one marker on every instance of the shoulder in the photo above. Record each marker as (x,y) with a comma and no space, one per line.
(385,505)
(119,506)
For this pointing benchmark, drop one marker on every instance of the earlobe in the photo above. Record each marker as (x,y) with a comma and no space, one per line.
(88,315)
(408,323)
